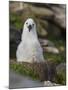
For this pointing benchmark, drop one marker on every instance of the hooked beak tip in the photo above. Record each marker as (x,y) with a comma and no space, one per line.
(30,27)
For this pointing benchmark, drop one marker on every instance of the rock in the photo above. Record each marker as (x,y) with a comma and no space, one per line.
(41,31)
(62,48)
(49,83)
(54,30)
(44,11)
(60,15)
(16,6)
(15,38)
(61,67)
(15,35)
(47,10)
(45,42)
(61,73)
(21,81)
(48,46)
(51,50)
(52,18)
(43,23)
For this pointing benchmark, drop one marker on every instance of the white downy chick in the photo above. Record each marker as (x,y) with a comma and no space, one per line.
(29,50)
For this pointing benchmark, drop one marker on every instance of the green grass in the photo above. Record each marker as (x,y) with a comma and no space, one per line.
(16,21)
(57,58)
(23,69)
(61,78)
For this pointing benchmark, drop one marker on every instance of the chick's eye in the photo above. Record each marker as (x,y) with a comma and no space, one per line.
(26,23)
(33,24)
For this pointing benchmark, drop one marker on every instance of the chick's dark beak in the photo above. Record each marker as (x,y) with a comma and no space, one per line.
(29,27)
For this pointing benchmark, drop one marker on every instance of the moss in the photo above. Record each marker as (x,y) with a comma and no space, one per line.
(57,58)
(15,20)
(61,78)
(23,69)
